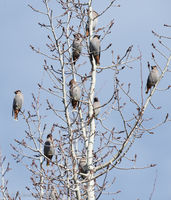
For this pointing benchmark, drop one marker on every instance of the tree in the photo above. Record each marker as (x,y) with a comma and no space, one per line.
(78,133)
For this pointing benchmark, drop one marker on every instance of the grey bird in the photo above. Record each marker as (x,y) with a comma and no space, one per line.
(96,109)
(153,77)
(76,47)
(17,103)
(83,167)
(75,93)
(49,150)
(95,49)
(96,106)
(94,22)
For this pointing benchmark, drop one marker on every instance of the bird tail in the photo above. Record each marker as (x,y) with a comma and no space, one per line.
(74,103)
(147,90)
(74,60)
(16,114)
(97,59)
(87,33)
(47,162)
(75,57)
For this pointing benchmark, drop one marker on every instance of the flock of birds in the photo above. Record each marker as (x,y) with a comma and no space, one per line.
(75,91)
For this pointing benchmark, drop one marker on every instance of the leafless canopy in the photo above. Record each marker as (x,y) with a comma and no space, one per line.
(77,133)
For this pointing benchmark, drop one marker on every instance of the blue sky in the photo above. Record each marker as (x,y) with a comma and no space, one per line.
(21,68)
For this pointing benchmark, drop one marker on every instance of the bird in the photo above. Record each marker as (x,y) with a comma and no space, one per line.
(75,93)
(94,22)
(96,109)
(153,77)
(49,150)
(76,47)
(96,106)
(17,103)
(83,167)
(95,49)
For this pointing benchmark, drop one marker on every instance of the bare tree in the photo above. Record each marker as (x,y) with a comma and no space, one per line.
(87,145)
(4,169)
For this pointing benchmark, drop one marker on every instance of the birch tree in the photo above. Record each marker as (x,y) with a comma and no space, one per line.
(78,133)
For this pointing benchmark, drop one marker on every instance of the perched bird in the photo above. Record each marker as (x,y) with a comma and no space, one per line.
(94,22)
(83,167)
(75,93)
(153,77)
(49,150)
(96,109)
(95,49)
(17,103)
(76,47)
(96,106)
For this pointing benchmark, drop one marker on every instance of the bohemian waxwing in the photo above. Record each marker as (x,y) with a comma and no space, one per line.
(94,22)
(76,47)
(83,167)
(17,103)
(153,77)
(96,106)
(75,93)
(95,49)
(49,150)
(96,109)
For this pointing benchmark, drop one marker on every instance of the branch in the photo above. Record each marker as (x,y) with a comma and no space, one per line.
(137,124)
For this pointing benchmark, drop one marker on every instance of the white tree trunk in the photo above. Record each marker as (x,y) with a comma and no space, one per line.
(90,191)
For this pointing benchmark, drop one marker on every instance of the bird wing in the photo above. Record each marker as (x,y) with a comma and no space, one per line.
(13,106)
(18,102)
(46,148)
(95,46)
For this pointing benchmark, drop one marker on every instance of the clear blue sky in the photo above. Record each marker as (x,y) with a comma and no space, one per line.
(21,69)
